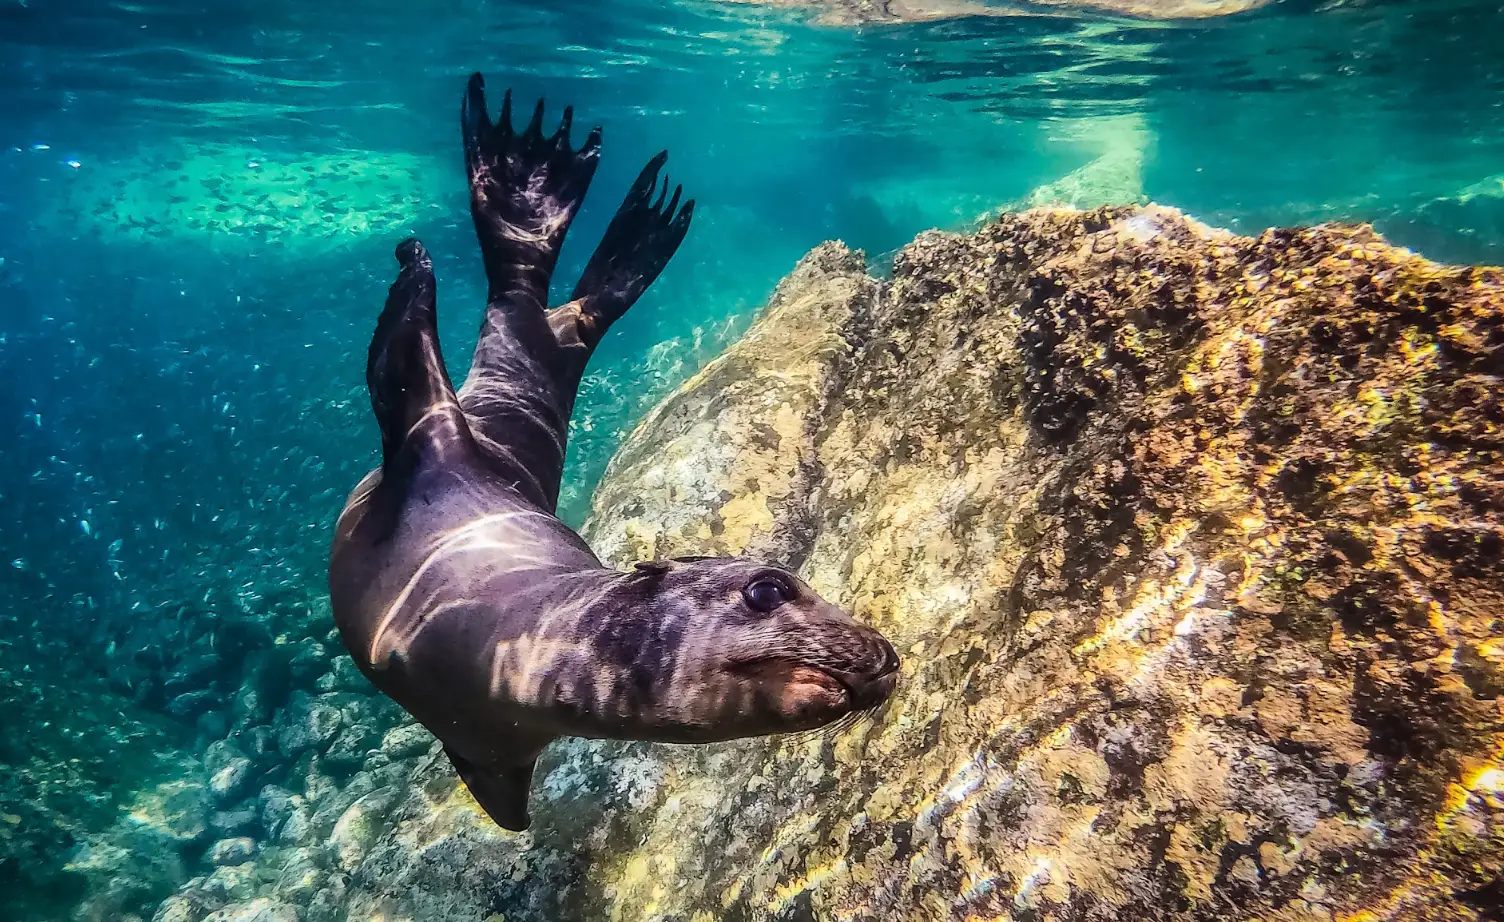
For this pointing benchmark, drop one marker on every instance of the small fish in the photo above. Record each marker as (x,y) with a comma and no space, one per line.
(41,147)
(10,818)
(73,163)
(87,528)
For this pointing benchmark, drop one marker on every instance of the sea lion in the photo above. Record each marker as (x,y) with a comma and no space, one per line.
(456,589)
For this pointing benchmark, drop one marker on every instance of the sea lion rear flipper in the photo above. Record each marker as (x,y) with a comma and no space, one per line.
(411,394)
(524,192)
(639,242)
(501,792)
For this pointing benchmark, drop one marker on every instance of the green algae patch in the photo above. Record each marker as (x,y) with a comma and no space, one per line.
(229,195)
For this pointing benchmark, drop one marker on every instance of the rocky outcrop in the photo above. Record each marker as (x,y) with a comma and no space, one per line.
(1193,545)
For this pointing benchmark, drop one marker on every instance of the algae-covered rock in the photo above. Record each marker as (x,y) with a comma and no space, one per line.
(237,850)
(359,827)
(284,816)
(180,908)
(231,883)
(1193,546)
(229,771)
(301,877)
(406,741)
(262,910)
(1192,543)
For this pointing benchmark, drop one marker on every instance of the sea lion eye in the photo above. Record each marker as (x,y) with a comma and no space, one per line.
(767,593)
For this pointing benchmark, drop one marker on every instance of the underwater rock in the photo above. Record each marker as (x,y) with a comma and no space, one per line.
(306,724)
(212,725)
(262,910)
(248,708)
(359,827)
(231,883)
(1193,545)
(191,704)
(276,804)
(779,377)
(407,741)
(192,673)
(309,662)
(284,816)
(229,823)
(176,810)
(344,676)
(333,807)
(238,850)
(330,903)
(180,908)
(297,829)
(127,867)
(301,877)
(260,743)
(349,748)
(229,771)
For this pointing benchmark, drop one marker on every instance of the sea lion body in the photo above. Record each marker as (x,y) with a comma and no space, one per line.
(456,589)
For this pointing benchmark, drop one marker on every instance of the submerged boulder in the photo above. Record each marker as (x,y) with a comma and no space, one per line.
(1193,546)
(255,911)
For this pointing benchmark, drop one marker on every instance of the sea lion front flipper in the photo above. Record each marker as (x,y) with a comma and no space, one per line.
(525,190)
(411,393)
(501,792)
(639,242)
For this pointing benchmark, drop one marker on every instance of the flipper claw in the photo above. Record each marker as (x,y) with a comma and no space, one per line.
(637,245)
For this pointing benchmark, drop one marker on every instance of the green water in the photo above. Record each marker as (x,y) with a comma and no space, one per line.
(198,204)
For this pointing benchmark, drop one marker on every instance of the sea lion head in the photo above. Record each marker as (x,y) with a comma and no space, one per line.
(737,648)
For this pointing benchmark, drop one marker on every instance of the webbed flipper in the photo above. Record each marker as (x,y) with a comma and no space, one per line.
(501,792)
(411,394)
(525,190)
(639,242)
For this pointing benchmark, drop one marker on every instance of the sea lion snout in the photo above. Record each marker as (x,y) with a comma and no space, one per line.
(871,686)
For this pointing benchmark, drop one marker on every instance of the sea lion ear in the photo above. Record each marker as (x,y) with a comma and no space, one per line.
(653,567)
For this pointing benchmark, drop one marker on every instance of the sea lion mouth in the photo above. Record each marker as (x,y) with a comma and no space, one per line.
(860,693)
(867,693)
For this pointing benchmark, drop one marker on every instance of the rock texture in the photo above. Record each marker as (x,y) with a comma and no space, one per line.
(1193,543)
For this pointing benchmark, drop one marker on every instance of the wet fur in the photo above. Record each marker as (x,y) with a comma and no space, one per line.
(454,586)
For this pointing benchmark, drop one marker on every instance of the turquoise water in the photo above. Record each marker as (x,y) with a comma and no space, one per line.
(198,204)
